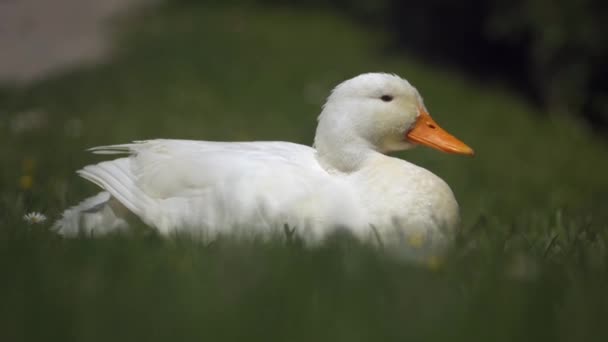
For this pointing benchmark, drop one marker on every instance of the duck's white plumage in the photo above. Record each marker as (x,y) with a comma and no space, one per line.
(345,181)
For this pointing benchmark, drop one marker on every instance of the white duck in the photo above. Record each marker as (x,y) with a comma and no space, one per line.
(346,180)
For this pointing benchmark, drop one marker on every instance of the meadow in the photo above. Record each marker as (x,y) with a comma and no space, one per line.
(529,263)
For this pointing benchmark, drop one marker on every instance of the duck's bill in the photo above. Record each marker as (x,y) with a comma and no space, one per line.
(427,132)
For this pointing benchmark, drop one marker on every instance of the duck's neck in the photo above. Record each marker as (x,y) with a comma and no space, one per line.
(341,150)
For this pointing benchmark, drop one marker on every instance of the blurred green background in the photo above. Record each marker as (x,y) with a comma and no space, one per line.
(530,262)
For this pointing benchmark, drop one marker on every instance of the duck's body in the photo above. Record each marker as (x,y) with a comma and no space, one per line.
(209,188)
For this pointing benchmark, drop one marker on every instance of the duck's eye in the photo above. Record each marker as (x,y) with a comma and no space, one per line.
(386,98)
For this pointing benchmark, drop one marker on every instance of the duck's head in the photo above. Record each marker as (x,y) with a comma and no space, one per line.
(377,112)
(385,113)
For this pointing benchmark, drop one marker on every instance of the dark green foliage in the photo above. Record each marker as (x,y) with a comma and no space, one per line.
(553,52)
(492,287)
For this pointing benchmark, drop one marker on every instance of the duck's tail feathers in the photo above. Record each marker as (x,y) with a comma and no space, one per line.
(116,149)
(116,177)
(95,215)
(108,210)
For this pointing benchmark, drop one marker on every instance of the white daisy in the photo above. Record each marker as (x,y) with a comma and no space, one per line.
(34,217)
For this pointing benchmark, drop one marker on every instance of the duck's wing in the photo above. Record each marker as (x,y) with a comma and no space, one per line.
(166,180)
(169,168)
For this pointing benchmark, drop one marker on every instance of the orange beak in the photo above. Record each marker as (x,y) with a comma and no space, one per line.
(427,132)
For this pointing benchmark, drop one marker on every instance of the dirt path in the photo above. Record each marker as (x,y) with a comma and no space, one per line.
(39,38)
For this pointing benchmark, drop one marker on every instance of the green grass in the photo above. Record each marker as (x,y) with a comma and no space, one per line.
(531,262)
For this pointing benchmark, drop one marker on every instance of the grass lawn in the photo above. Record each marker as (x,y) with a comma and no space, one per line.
(531,262)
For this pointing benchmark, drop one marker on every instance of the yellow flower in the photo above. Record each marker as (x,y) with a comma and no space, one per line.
(26,182)
(434,263)
(415,240)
